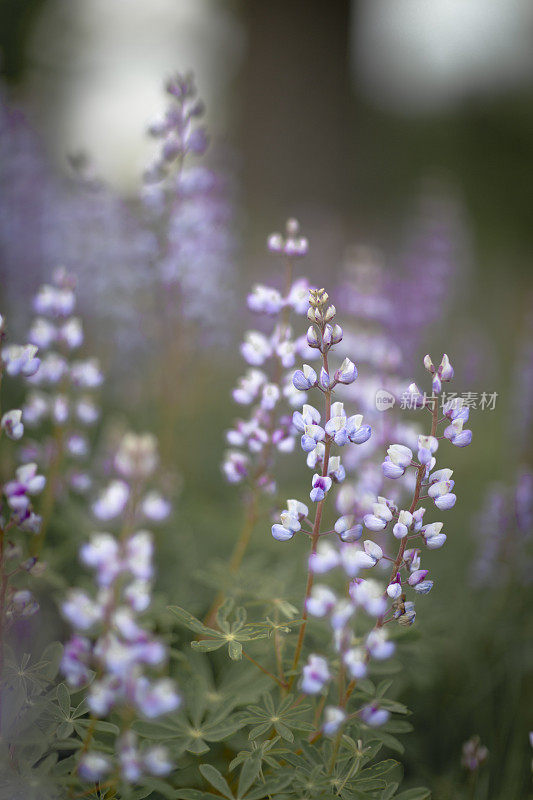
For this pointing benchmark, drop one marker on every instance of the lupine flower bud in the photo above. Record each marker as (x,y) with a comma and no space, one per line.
(324,380)
(445,369)
(424,587)
(312,337)
(428,363)
(417,576)
(407,614)
(415,396)
(336,334)
(394,589)
(275,242)
(327,337)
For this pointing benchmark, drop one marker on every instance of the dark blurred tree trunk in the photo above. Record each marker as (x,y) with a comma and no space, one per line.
(295,106)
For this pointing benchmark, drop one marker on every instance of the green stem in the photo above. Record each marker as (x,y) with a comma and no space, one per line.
(314,537)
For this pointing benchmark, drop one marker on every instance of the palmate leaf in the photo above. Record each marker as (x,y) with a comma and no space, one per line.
(283,719)
(267,752)
(232,633)
(182,734)
(217,780)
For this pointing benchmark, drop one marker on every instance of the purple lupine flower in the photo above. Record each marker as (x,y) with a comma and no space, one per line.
(116,644)
(20,360)
(348,532)
(347,372)
(11,423)
(304,379)
(333,719)
(321,601)
(320,487)
(374,716)
(315,675)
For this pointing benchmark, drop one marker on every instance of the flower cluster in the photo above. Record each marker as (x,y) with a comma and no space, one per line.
(111,650)
(16,497)
(62,400)
(366,298)
(267,385)
(337,429)
(368,597)
(188,207)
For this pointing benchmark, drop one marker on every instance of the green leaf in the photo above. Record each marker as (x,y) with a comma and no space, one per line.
(208,645)
(420,793)
(63,699)
(189,620)
(389,741)
(223,611)
(157,785)
(240,618)
(235,650)
(221,730)
(249,772)
(197,747)
(271,787)
(390,791)
(259,730)
(284,731)
(216,779)
(398,726)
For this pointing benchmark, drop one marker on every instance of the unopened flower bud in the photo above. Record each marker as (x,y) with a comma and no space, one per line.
(428,363)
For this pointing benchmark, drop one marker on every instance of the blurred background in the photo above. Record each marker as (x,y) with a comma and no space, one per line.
(362,118)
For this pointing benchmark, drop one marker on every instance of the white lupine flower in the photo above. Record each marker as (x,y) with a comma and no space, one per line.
(112,501)
(356,662)
(256,348)
(11,423)
(369,595)
(321,601)
(333,719)
(155,507)
(315,675)
(325,559)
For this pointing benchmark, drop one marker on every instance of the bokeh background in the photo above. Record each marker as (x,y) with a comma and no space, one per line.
(347,115)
